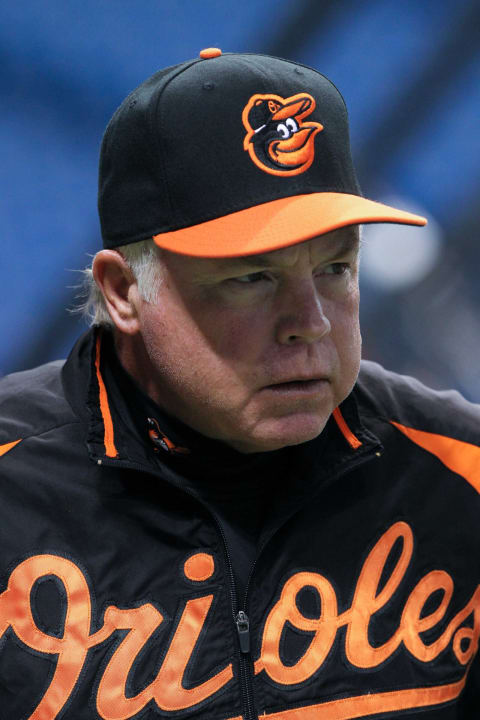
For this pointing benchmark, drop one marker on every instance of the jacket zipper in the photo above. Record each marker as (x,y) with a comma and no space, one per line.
(240,617)
(242,624)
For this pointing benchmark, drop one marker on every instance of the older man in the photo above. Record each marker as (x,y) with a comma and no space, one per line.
(208,512)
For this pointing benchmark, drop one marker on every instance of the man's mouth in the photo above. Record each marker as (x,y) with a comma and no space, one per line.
(305,386)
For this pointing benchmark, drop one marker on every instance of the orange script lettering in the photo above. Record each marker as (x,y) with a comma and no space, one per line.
(167,689)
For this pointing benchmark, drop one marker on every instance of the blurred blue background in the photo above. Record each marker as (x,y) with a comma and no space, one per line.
(410,73)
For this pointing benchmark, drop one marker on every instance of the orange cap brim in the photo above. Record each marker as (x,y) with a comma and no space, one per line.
(280,223)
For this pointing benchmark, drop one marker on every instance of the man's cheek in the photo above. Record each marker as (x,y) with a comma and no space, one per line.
(239,342)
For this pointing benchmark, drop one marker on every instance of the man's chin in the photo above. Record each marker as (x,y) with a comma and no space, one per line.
(279,433)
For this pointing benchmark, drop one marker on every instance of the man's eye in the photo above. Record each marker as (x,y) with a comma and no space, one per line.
(249,279)
(336,269)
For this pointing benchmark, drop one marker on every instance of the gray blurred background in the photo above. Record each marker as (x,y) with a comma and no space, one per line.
(410,73)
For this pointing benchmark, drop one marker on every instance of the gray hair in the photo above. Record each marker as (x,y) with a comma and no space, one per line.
(144,260)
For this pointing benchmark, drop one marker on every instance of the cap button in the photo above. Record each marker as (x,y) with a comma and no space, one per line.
(210,53)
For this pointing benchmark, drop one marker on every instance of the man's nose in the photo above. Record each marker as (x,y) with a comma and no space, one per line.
(302,317)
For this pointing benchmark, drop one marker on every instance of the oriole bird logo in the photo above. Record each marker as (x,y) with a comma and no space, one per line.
(277,139)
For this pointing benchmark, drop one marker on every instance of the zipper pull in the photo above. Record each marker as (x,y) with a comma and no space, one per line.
(243,629)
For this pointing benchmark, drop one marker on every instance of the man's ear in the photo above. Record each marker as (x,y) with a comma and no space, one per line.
(118,286)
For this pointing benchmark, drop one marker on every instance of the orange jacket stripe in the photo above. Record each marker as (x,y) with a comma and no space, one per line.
(110,449)
(8,446)
(460,457)
(364,706)
(352,440)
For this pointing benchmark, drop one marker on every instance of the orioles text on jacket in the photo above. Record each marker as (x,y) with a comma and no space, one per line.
(167,689)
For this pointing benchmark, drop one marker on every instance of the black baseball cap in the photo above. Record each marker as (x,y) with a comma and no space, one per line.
(231,154)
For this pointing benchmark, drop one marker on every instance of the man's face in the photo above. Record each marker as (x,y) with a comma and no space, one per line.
(255,351)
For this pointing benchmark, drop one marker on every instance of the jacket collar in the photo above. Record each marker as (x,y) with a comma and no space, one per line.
(117,412)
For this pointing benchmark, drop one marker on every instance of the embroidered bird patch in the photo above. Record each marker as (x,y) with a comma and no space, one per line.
(278,140)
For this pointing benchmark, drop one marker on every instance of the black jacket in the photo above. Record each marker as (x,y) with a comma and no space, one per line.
(118,596)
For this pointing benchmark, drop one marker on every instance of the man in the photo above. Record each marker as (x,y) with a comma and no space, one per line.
(207,511)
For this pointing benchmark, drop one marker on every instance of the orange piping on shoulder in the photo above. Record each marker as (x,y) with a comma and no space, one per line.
(459,456)
(8,446)
(110,449)
(352,439)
